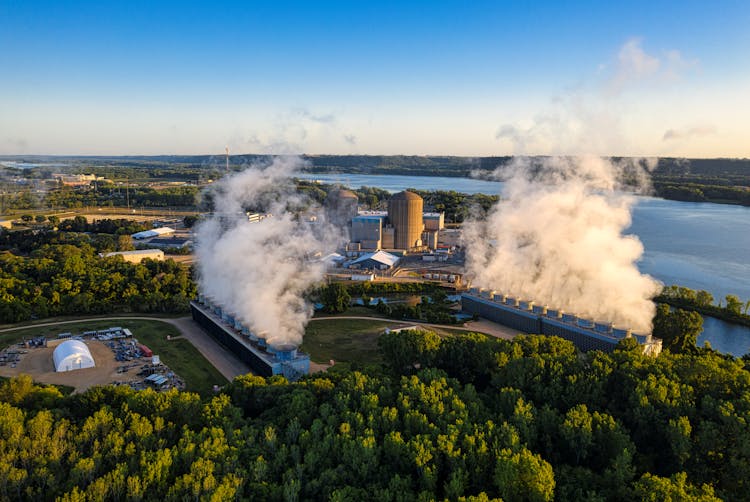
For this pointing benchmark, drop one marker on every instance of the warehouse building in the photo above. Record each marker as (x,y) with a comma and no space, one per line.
(525,316)
(379,260)
(138,255)
(156,232)
(72,355)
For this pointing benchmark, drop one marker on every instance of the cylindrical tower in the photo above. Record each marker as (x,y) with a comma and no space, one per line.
(341,207)
(405,214)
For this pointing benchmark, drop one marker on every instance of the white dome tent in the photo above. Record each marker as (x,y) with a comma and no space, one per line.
(72,355)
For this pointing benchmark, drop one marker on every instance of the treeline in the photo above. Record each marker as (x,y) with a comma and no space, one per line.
(696,192)
(459,418)
(117,226)
(732,309)
(109,195)
(68,279)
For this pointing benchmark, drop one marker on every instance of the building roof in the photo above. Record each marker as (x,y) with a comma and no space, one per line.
(73,352)
(406,195)
(378,256)
(170,241)
(344,194)
(136,252)
(153,233)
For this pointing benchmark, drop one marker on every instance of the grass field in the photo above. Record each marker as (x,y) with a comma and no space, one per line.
(179,354)
(345,340)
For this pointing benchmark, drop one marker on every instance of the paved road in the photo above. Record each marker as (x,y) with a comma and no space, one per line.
(223,360)
(483,326)
(230,366)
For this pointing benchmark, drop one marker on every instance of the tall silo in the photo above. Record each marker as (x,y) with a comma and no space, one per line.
(405,214)
(341,207)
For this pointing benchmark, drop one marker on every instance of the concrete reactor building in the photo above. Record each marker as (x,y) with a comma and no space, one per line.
(341,207)
(405,215)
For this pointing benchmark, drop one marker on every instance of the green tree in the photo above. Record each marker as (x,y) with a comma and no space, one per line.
(704,298)
(678,329)
(734,304)
(335,298)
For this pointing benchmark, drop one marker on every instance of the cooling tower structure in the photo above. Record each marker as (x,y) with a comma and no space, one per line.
(525,316)
(341,207)
(249,347)
(405,215)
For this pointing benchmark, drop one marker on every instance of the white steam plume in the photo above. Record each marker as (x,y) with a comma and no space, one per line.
(556,238)
(262,270)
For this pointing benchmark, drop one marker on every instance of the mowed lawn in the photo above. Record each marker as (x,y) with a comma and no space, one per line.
(180,355)
(344,340)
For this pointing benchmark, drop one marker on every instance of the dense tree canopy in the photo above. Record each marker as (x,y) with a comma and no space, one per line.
(458,418)
(59,279)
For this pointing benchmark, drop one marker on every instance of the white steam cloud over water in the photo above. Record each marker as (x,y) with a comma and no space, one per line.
(557,238)
(261,271)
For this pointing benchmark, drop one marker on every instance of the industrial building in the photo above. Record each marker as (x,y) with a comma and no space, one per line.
(527,317)
(138,255)
(367,232)
(72,355)
(170,243)
(434,221)
(156,232)
(230,331)
(404,226)
(379,260)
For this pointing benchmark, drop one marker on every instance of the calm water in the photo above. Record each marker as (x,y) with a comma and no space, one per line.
(698,245)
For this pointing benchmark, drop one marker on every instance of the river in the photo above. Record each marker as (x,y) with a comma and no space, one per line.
(698,245)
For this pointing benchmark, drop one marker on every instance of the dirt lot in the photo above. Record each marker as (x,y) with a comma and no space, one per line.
(38,363)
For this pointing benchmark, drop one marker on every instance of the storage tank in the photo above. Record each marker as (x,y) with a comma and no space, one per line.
(405,214)
(341,207)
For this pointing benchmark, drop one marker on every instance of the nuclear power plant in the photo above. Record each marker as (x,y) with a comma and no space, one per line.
(404,227)
(525,316)
(249,347)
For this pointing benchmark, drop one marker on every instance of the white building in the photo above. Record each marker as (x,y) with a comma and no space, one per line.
(138,255)
(72,355)
(156,232)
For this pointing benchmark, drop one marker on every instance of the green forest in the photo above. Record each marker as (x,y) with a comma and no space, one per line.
(454,418)
(66,279)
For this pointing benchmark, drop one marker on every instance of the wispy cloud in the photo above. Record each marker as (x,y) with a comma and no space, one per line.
(634,65)
(689,133)
(350,139)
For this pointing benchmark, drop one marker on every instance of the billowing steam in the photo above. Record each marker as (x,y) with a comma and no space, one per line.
(556,238)
(261,271)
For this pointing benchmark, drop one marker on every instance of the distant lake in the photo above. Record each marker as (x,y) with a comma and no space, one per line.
(693,244)
(29,165)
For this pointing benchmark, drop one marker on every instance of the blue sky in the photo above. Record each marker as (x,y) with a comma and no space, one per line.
(458,78)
